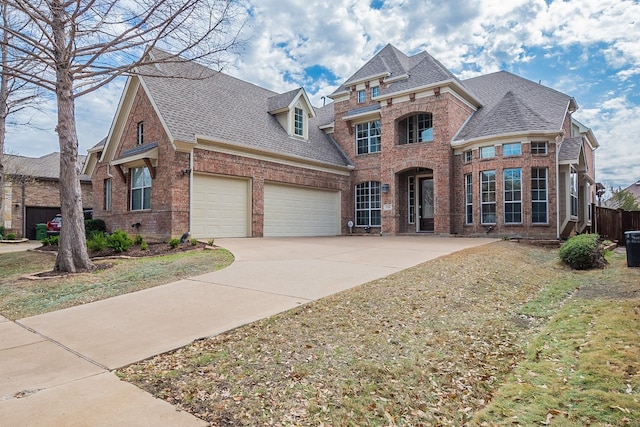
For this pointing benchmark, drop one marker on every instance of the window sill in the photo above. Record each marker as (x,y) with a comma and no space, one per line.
(368,154)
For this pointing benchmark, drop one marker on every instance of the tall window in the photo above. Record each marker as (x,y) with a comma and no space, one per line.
(488,197)
(468,156)
(539,147)
(368,204)
(468,198)
(514,149)
(411,196)
(539,196)
(416,128)
(298,122)
(368,137)
(361,96)
(487,152)
(375,91)
(512,196)
(140,189)
(107,194)
(140,133)
(574,192)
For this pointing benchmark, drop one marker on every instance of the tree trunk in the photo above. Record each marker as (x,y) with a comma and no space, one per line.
(4,108)
(72,247)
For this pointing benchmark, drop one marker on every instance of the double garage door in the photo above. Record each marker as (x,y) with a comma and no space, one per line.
(221,207)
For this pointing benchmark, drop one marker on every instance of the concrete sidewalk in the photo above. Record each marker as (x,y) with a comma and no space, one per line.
(56,368)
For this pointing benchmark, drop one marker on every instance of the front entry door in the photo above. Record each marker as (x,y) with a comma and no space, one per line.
(426,208)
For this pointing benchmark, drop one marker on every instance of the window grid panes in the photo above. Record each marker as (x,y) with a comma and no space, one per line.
(411,196)
(140,139)
(468,185)
(140,189)
(514,149)
(488,197)
(512,196)
(368,137)
(539,147)
(420,128)
(574,192)
(298,122)
(375,91)
(539,196)
(468,156)
(368,202)
(487,152)
(361,96)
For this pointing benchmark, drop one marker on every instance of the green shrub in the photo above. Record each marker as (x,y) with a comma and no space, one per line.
(3,231)
(194,242)
(138,240)
(583,252)
(92,225)
(11,236)
(51,241)
(210,242)
(174,243)
(144,246)
(119,241)
(97,241)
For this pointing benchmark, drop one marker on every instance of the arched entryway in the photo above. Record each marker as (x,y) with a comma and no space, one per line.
(417,200)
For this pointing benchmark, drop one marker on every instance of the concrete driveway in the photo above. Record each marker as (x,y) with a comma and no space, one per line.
(65,357)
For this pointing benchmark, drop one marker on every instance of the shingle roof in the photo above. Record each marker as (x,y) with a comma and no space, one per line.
(570,150)
(224,108)
(45,167)
(283,100)
(421,70)
(527,106)
(139,149)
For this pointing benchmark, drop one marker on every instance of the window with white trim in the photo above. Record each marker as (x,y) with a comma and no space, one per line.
(107,194)
(573,190)
(368,203)
(539,201)
(488,197)
(368,137)
(487,152)
(140,134)
(298,121)
(512,188)
(538,147)
(362,95)
(411,197)
(513,149)
(375,91)
(140,189)
(468,156)
(468,198)
(416,128)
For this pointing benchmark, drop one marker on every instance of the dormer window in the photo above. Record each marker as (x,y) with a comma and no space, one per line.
(375,91)
(298,122)
(140,133)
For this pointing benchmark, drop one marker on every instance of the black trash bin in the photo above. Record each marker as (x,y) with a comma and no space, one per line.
(633,248)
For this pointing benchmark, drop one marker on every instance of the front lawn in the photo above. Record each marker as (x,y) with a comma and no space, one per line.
(21,297)
(501,334)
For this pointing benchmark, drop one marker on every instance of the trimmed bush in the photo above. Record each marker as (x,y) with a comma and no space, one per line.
(51,240)
(11,236)
(174,243)
(3,231)
(138,240)
(97,241)
(194,242)
(93,225)
(583,252)
(144,246)
(119,241)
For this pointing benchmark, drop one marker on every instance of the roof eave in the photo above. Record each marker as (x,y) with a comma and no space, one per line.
(531,133)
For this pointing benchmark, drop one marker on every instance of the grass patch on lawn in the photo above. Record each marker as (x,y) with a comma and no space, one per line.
(473,338)
(21,298)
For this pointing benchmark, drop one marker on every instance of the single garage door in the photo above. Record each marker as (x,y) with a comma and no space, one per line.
(300,211)
(220,207)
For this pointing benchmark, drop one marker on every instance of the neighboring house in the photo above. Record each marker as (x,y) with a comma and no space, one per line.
(633,189)
(32,193)
(405,147)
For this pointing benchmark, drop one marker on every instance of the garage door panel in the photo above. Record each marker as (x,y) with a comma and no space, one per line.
(300,211)
(220,207)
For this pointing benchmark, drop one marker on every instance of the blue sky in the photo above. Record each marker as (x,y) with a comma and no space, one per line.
(587,49)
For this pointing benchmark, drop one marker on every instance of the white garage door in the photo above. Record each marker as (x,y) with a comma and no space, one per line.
(220,207)
(298,211)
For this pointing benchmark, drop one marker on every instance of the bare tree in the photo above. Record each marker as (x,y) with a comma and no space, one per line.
(15,94)
(83,45)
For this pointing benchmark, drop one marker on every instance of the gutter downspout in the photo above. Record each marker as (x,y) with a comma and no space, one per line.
(558,191)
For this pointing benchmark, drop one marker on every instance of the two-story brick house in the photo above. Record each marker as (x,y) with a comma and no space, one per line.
(405,147)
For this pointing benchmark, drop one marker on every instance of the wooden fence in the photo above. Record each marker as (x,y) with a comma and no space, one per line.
(612,223)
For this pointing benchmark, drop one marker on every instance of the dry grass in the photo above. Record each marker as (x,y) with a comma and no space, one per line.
(428,346)
(21,298)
